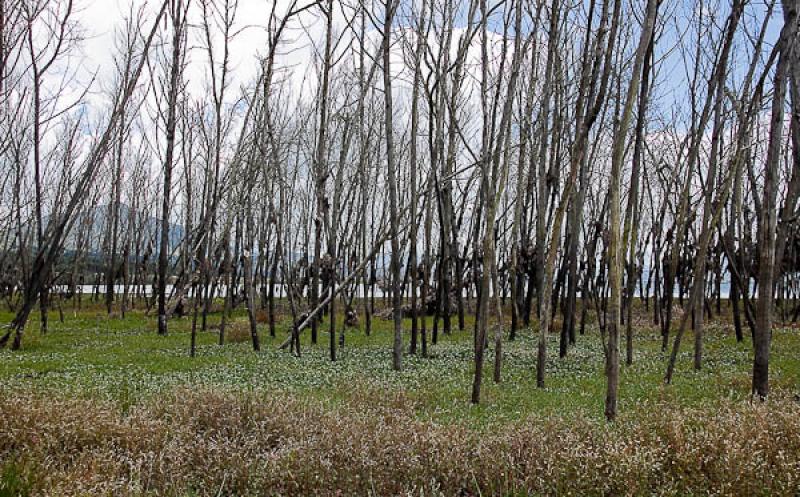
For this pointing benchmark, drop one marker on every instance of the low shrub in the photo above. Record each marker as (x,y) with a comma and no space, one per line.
(237,331)
(213,442)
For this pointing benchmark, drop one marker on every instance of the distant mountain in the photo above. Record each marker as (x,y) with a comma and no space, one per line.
(99,216)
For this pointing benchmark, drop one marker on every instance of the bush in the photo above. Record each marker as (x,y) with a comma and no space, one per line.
(237,331)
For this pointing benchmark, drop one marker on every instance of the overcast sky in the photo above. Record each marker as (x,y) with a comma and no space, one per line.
(100,19)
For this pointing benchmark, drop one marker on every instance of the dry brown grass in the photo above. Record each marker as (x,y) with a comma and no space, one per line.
(223,443)
(238,331)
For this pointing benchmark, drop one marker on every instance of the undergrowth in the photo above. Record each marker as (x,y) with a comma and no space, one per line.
(104,406)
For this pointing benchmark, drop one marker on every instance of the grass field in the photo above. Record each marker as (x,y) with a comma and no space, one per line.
(98,371)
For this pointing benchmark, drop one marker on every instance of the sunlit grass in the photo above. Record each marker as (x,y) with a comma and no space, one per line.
(93,355)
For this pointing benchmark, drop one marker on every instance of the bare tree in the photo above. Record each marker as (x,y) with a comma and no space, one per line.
(177,13)
(767,222)
(59,226)
(614,249)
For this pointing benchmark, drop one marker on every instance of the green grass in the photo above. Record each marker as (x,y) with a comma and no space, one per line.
(13,481)
(124,360)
